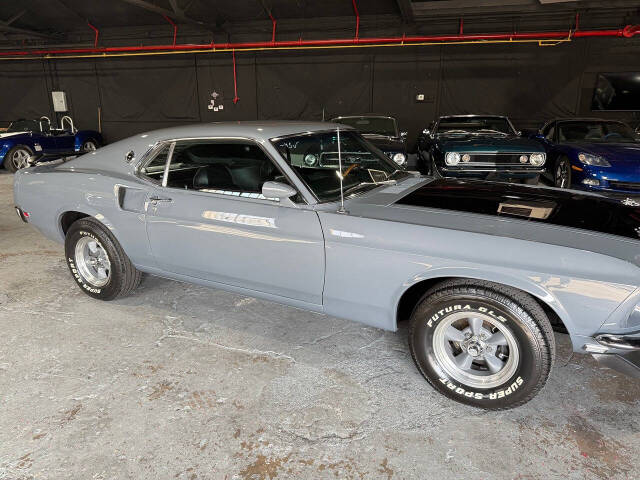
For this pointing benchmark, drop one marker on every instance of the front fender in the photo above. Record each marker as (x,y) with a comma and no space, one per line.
(534,285)
(5,146)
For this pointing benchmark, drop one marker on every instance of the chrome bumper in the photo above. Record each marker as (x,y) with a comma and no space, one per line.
(619,352)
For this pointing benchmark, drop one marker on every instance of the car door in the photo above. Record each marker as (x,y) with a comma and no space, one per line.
(44,141)
(209,220)
(65,141)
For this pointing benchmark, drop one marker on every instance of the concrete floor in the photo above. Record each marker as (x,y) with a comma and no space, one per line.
(179,381)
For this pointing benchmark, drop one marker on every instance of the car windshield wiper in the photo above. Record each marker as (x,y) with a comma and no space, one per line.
(489,130)
(454,131)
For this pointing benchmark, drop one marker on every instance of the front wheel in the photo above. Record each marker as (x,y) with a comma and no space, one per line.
(17,158)
(98,262)
(481,343)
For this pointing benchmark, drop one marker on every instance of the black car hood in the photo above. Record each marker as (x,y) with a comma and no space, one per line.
(537,204)
(386,144)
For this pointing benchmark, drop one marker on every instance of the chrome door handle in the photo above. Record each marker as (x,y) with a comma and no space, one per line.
(154,200)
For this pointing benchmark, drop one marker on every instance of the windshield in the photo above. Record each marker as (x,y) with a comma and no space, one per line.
(371,125)
(474,125)
(24,126)
(314,158)
(595,132)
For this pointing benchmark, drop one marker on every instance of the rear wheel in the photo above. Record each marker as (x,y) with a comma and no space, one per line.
(97,262)
(90,145)
(17,158)
(481,343)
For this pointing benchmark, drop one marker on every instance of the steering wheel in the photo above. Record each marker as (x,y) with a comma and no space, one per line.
(350,169)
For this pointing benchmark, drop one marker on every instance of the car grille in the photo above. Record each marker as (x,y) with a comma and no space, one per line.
(497,159)
(624,185)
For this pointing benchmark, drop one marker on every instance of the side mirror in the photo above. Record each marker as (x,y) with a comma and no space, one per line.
(426,132)
(403,135)
(278,190)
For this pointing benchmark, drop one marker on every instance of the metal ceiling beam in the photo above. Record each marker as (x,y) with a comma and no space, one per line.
(163,11)
(5,26)
(176,9)
(406,10)
(15,17)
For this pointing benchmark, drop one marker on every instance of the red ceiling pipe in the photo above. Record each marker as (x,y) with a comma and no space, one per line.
(627,32)
(355,9)
(95,42)
(235,81)
(273,32)
(175,28)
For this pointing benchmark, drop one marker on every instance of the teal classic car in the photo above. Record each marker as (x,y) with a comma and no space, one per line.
(479,146)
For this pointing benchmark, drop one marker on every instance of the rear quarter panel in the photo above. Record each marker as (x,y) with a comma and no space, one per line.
(48,192)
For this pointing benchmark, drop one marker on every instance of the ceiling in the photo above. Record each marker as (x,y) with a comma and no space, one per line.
(34,22)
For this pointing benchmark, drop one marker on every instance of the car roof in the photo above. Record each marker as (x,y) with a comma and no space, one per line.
(259,130)
(473,115)
(365,115)
(584,119)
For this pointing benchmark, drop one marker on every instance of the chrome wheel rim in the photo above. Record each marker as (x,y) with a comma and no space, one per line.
(92,261)
(562,173)
(476,349)
(89,146)
(20,159)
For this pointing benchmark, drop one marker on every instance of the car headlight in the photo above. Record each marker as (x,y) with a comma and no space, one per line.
(399,158)
(452,158)
(537,159)
(593,160)
(310,159)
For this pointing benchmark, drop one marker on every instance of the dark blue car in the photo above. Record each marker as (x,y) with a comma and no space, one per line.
(35,138)
(592,154)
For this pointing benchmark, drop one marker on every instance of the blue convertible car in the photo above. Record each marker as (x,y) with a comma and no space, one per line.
(26,138)
(592,154)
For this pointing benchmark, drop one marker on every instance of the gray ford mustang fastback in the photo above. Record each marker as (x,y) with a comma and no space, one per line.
(482,270)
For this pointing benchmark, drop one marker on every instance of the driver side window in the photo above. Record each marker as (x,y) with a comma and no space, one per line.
(230,167)
(550,130)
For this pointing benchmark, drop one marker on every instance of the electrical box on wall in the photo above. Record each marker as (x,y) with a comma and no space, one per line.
(59,101)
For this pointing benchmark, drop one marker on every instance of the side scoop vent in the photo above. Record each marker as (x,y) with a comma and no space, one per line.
(521,208)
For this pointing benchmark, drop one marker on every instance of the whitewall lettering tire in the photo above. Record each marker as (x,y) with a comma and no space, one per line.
(483,344)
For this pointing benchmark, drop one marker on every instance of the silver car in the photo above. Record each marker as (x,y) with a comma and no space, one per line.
(312,215)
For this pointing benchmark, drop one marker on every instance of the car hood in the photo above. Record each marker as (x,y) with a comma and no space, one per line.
(572,219)
(616,153)
(486,143)
(386,144)
(11,134)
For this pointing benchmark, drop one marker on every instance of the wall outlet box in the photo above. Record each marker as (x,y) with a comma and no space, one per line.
(420,97)
(59,101)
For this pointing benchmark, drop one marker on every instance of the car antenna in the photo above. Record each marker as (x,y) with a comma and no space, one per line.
(341,209)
